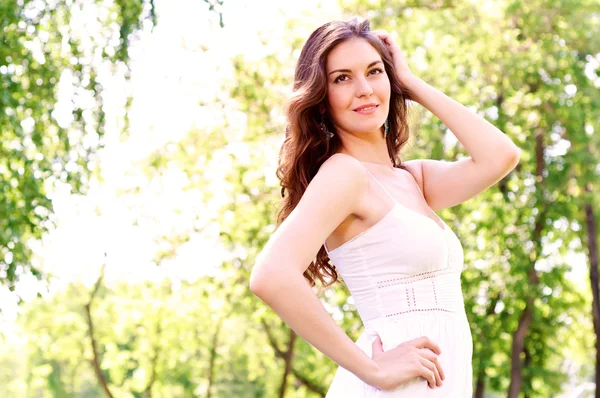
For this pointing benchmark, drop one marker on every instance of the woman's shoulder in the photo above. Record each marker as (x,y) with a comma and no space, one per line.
(342,161)
(342,169)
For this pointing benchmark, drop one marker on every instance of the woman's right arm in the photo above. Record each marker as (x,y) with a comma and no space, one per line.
(277,279)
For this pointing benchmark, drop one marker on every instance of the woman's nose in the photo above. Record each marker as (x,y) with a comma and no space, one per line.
(363,87)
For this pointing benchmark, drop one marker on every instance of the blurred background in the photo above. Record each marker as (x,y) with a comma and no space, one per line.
(138,149)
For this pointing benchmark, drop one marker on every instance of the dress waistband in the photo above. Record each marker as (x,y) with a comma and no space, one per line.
(438,290)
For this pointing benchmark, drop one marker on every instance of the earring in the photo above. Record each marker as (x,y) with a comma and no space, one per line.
(387,128)
(328,134)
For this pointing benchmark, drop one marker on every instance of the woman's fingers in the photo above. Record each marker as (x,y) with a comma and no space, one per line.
(425,342)
(427,371)
(385,37)
(433,358)
(437,380)
(429,351)
(413,358)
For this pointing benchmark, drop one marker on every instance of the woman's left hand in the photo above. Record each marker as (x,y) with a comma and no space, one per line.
(403,72)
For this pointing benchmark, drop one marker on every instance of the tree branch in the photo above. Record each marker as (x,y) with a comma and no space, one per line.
(96,357)
(283,355)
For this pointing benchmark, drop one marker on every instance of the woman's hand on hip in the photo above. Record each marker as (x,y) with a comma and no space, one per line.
(411,359)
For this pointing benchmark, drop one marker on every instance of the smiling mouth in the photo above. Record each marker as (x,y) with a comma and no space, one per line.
(366,108)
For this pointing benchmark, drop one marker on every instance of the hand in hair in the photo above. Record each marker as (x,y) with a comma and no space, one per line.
(402,70)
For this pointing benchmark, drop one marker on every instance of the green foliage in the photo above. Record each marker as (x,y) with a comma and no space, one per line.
(47,139)
(516,63)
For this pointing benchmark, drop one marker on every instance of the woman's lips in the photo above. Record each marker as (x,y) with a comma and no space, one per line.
(367,110)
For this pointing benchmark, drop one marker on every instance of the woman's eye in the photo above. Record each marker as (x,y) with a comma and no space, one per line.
(343,78)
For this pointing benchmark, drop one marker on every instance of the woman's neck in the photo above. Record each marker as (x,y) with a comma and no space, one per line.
(373,159)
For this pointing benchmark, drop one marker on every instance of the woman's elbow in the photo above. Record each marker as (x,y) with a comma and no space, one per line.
(258,279)
(254,281)
(514,158)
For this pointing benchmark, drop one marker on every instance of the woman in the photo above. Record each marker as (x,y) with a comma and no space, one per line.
(351,201)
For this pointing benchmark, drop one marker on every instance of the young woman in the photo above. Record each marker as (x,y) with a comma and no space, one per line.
(352,206)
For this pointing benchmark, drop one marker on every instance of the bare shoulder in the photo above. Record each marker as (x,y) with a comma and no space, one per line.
(344,163)
(332,195)
(340,178)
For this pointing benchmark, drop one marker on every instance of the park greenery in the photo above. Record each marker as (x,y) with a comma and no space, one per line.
(529,67)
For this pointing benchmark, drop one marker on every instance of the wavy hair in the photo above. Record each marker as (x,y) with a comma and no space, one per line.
(305,148)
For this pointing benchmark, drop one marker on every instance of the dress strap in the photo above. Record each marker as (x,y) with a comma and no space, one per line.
(381,185)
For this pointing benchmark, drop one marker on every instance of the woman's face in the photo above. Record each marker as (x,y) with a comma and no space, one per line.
(356,78)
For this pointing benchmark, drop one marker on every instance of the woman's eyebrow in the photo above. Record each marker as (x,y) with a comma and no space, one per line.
(348,70)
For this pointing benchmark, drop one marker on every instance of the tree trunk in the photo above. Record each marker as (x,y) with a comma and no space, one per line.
(480,385)
(96,357)
(516,378)
(593,256)
(148,390)
(527,364)
(518,345)
(213,357)
(288,357)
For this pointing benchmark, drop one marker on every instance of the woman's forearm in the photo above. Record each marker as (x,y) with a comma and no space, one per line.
(483,141)
(290,296)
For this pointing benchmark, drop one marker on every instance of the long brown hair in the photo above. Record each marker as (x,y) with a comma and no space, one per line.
(305,148)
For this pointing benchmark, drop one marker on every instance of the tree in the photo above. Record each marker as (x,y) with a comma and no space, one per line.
(52,119)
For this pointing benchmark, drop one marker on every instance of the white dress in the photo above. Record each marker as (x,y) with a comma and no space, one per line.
(404,276)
